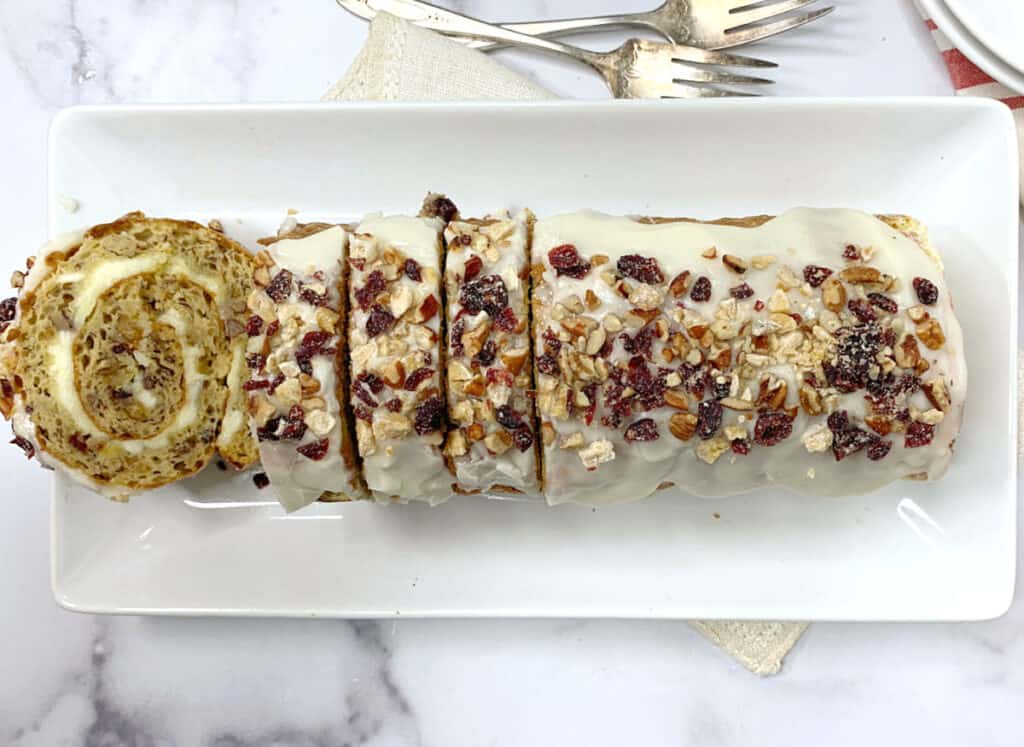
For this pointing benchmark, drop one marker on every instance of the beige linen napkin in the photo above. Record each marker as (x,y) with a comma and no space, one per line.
(402,62)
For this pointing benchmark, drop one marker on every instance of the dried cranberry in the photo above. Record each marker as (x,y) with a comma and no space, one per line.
(253,384)
(255,361)
(508,417)
(552,345)
(919,434)
(879,450)
(417,377)
(487,354)
(547,364)
(394,404)
(412,270)
(473,266)
(862,310)
(8,309)
(25,445)
(567,261)
(883,302)
(281,286)
(855,355)
(379,321)
(851,253)
(772,427)
(642,430)
(361,390)
(444,209)
(759,305)
(650,390)
(485,294)
(740,446)
(641,269)
(455,336)
(522,437)
(640,343)
(268,432)
(428,308)
(358,262)
(314,450)
(375,284)
(741,291)
(273,328)
(499,376)
(253,326)
(311,297)
(429,416)
(118,348)
(362,413)
(590,390)
(701,290)
(260,480)
(815,275)
(465,239)
(848,439)
(506,320)
(838,421)
(293,429)
(709,418)
(926,291)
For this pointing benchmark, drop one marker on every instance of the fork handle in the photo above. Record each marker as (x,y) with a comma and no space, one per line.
(565,26)
(449,22)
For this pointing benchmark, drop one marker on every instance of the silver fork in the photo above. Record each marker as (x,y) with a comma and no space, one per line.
(639,69)
(708,24)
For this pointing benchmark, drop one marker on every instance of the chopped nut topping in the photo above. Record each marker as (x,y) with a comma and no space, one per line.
(937,393)
(761,261)
(906,353)
(929,332)
(833,294)
(779,301)
(734,263)
(917,313)
(862,275)
(810,400)
(817,438)
(709,451)
(597,452)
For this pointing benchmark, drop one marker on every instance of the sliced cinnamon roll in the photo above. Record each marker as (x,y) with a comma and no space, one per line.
(117,365)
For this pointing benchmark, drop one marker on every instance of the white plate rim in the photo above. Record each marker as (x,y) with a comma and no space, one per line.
(68,602)
(977,52)
(982,30)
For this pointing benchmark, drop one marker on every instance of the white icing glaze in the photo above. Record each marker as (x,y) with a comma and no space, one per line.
(234,419)
(40,269)
(479,469)
(797,238)
(296,479)
(409,467)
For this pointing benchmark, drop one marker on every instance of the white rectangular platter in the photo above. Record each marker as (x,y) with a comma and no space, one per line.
(913,551)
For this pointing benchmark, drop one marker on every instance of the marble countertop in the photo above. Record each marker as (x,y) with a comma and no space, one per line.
(77,679)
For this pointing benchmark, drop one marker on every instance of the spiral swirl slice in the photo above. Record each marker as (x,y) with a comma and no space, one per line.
(119,366)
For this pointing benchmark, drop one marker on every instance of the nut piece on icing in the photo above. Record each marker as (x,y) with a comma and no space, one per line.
(596,452)
(817,438)
(709,451)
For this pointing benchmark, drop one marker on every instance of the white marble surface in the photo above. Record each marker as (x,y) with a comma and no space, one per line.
(70,679)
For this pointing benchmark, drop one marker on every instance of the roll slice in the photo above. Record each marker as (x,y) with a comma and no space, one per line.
(491,445)
(816,351)
(297,355)
(116,367)
(397,392)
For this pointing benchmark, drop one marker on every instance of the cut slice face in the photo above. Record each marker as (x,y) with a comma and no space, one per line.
(296,353)
(492,444)
(397,357)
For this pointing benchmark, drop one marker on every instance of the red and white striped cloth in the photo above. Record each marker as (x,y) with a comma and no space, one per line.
(970,80)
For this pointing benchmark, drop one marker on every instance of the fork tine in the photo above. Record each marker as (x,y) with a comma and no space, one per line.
(738,35)
(683,91)
(753,12)
(685,73)
(683,53)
